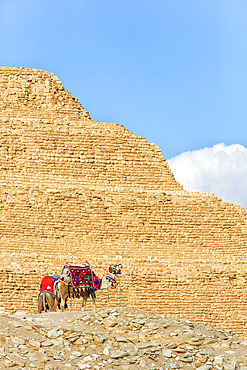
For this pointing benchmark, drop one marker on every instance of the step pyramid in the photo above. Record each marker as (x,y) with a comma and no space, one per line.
(73,189)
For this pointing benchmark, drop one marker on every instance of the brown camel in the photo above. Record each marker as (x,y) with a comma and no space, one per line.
(64,287)
(47,300)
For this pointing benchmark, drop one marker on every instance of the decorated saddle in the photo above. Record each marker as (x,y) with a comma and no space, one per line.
(47,284)
(82,277)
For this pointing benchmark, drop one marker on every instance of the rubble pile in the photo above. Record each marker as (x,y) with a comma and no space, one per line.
(121,338)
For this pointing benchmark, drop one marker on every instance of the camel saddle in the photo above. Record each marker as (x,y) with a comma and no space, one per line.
(47,284)
(82,277)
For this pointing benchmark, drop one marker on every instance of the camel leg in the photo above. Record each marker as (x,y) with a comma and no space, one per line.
(57,296)
(94,303)
(84,302)
(63,301)
(62,304)
(44,301)
(63,293)
(40,303)
(53,306)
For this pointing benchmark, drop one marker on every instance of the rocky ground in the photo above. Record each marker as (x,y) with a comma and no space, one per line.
(115,338)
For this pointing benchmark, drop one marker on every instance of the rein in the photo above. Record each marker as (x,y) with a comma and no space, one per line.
(66,282)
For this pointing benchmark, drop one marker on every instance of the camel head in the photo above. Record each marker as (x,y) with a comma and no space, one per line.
(116,268)
(65,271)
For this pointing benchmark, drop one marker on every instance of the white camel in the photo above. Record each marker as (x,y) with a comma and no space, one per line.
(64,288)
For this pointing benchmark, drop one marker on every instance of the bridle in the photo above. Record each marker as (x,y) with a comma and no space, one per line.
(114,270)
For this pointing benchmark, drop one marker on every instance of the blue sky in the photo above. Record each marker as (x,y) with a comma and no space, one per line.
(172,71)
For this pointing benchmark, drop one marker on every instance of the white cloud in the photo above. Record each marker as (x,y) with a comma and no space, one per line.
(221,170)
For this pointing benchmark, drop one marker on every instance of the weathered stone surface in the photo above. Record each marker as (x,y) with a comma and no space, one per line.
(167,353)
(21,348)
(34,343)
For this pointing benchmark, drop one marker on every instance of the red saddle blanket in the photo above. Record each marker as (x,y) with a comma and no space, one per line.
(47,284)
(83,276)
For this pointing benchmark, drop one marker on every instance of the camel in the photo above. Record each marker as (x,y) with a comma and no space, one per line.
(64,287)
(47,300)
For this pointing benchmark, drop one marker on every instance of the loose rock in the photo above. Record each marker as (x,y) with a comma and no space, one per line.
(119,338)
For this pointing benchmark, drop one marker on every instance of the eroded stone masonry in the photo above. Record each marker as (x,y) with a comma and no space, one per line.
(72,189)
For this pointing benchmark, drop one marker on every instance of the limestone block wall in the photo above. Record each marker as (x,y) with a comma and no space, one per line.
(72,189)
